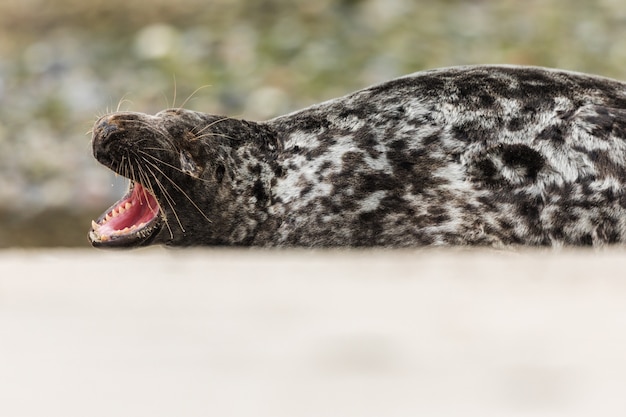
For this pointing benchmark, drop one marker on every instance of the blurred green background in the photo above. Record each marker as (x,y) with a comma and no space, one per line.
(64,62)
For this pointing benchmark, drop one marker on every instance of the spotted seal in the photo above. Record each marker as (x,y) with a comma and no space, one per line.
(478,155)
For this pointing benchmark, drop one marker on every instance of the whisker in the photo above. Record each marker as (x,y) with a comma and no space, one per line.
(145,180)
(175,91)
(148,185)
(132,172)
(162,135)
(155,149)
(211,125)
(124,167)
(122,101)
(192,94)
(170,201)
(218,135)
(160,161)
(166,194)
(179,189)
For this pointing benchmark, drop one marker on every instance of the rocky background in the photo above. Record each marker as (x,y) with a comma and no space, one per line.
(63,63)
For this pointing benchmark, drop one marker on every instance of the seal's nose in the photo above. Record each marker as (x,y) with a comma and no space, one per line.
(104,129)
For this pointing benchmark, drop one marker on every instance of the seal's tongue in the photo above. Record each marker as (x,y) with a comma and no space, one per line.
(137,209)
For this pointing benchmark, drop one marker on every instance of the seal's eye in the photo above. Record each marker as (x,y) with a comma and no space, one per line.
(219,173)
(187,164)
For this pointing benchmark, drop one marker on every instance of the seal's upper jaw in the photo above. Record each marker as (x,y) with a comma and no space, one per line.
(133,221)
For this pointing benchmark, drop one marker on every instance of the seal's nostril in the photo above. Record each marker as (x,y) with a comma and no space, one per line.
(105,129)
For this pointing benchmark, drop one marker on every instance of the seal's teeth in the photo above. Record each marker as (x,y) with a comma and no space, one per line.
(94,226)
(127,205)
(107,217)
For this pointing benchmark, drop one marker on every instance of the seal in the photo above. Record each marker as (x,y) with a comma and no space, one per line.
(475,155)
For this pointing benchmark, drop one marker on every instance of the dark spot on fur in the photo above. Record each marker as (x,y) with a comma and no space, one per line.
(278,171)
(325,165)
(486,100)
(314,153)
(486,171)
(432,85)
(351,160)
(605,164)
(438,214)
(535,106)
(473,131)
(432,139)
(397,145)
(306,189)
(312,122)
(367,140)
(552,133)
(416,167)
(399,113)
(586,240)
(372,182)
(258,191)
(602,124)
(361,111)
(515,124)
(255,169)
(523,156)
(607,122)
(530,209)
(369,227)
(368,217)
(609,194)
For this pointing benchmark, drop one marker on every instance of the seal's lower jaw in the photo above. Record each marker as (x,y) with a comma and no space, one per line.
(133,221)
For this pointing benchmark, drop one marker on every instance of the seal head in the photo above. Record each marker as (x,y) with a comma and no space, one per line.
(184,168)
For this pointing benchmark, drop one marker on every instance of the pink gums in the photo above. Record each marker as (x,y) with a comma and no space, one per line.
(142,209)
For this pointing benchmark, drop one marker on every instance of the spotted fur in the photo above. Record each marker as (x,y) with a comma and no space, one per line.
(484,155)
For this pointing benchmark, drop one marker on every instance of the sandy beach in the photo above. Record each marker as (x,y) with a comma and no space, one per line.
(311,333)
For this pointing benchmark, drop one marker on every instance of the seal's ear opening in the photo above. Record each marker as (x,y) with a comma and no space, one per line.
(132,221)
(220,170)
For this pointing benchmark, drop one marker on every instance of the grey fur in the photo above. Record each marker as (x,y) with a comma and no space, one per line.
(483,155)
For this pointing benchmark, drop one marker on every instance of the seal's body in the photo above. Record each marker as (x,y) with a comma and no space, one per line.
(485,155)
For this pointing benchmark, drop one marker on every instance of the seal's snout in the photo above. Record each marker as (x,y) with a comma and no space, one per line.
(113,132)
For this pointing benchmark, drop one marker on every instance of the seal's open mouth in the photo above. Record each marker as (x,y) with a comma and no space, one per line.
(132,221)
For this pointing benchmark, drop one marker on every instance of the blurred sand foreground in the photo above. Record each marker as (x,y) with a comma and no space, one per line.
(255,333)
